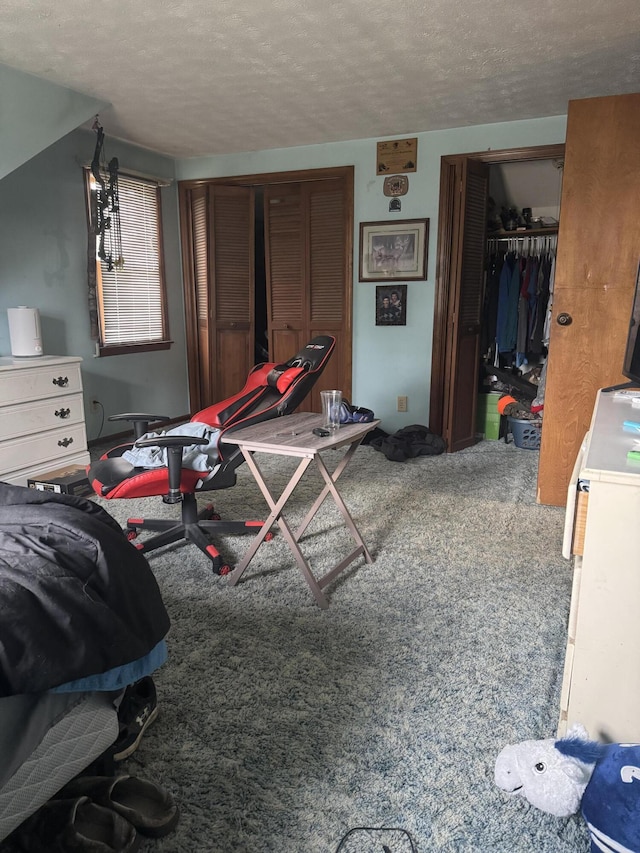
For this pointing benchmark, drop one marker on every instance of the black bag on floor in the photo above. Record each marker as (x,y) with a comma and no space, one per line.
(409,442)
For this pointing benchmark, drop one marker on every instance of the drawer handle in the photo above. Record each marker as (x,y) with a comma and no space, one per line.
(61,381)
(65,442)
(62,413)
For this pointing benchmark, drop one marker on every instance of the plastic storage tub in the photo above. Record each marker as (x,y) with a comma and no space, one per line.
(525,433)
(488,417)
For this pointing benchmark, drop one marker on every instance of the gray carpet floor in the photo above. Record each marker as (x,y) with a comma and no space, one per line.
(283,726)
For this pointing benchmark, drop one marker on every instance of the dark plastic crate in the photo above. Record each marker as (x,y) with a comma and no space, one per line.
(526,434)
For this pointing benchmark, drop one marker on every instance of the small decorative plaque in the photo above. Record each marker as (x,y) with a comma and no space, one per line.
(395,185)
(398,155)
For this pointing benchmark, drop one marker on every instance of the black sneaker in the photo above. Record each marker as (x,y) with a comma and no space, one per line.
(138,709)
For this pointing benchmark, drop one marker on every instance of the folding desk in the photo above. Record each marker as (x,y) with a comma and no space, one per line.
(293,436)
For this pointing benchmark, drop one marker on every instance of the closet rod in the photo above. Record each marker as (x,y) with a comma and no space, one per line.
(523,237)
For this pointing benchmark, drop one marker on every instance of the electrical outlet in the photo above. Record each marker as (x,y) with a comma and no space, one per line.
(403,404)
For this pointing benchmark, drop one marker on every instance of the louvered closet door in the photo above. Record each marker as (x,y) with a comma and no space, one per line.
(231,287)
(461,383)
(217,230)
(201,382)
(308,282)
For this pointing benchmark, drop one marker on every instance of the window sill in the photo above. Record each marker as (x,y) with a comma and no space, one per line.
(130,349)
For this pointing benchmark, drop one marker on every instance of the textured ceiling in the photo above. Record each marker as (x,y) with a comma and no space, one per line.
(201,77)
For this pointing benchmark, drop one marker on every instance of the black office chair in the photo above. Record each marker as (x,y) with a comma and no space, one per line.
(271,390)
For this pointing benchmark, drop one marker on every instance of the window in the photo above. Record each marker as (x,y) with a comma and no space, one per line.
(131,298)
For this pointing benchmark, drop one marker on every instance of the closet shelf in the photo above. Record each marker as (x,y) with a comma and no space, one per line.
(531,232)
(515,381)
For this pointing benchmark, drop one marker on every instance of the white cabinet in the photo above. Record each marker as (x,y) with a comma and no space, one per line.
(41,416)
(601,687)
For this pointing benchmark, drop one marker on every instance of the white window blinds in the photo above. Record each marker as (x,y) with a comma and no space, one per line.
(131,303)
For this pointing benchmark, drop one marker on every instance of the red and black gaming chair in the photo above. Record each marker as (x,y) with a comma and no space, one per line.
(271,390)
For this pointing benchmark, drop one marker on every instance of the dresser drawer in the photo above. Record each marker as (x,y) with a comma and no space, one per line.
(36,383)
(45,448)
(40,416)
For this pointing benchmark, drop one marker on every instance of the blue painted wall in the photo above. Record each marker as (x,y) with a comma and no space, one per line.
(43,264)
(35,113)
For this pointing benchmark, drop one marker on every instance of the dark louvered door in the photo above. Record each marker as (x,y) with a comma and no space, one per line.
(231,287)
(217,230)
(329,301)
(200,250)
(308,237)
(308,274)
(461,383)
(285,233)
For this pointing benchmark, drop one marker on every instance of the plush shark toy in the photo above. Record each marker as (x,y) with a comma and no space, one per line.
(561,776)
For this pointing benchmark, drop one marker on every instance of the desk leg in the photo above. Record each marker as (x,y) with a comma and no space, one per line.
(277,507)
(276,516)
(330,480)
(330,488)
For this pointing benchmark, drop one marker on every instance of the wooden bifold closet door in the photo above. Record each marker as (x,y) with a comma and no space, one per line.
(463,332)
(308,239)
(305,264)
(459,296)
(218,263)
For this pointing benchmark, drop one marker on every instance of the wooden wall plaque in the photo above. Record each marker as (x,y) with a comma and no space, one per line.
(397,155)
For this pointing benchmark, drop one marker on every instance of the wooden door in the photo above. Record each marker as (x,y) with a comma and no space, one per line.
(452,395)
(308,259)
(218,264)
(307,268)
(465,308)
(597,261)
(231,286)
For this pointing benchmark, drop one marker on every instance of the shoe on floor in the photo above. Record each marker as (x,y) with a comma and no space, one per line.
(138,709)
(147,806)
(76,825)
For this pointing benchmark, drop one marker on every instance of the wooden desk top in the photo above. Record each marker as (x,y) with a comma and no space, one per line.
(291,435)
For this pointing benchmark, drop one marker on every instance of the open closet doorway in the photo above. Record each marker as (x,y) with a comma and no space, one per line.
(460,286)
(267,265)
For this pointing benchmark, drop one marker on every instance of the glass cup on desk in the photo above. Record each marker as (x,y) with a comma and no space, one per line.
(331,402)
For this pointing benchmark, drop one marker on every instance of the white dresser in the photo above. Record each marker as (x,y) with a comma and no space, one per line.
(601,687)
(41,416)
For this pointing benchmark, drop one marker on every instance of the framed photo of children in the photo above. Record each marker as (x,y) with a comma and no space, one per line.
(394,250)
(391,305)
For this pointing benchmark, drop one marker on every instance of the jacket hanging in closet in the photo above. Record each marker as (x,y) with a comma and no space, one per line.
(519,284)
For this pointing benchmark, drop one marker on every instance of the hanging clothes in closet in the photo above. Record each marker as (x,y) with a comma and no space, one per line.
(519,286)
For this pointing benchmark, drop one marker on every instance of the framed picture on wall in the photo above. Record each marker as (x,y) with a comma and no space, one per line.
(391,305)
(394,250)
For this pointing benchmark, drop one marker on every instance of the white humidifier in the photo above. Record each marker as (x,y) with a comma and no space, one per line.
(24,332)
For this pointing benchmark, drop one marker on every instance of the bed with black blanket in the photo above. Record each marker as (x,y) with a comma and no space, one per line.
(81,616)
